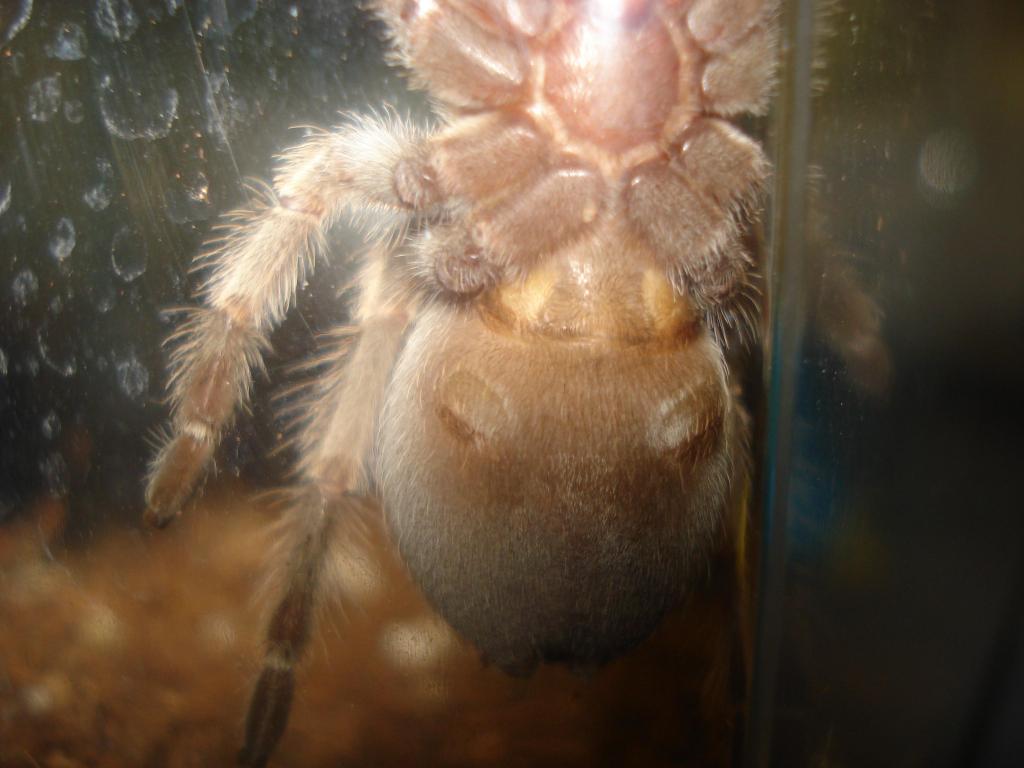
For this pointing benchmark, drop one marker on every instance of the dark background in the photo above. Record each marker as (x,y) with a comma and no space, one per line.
(892,628)
(125,127)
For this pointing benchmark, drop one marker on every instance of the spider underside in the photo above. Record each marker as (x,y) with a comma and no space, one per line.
(536,384)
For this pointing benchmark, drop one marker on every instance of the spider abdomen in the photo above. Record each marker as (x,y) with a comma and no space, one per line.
(552,487)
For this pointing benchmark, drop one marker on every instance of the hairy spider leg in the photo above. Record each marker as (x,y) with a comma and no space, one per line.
(373,166)
(336,439)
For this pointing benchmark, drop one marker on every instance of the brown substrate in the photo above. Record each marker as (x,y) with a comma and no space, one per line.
(140,651)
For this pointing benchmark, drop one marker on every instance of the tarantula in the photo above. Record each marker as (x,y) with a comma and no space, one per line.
(536,386)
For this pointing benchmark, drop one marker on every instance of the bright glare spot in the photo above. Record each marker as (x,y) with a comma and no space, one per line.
(611,9)
(426,7)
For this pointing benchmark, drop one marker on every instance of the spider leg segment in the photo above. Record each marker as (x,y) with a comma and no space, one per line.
(446,256)
(740,35)
(336,437)
(289,629)
(447,50)
(692,208)
(373,166)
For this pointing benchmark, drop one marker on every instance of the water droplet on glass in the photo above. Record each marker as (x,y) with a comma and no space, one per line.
(51,425)
(99,195)
(128,253)
(3,363)
(116,19)
(44,98)
(14,22)
(173,6)
(68,44)
(74,111)
(62,241)
(24,287)
(133,113)
(5,197)
(132,376)
(56,348)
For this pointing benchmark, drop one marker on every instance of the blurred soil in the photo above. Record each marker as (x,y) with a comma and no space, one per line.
(140,650)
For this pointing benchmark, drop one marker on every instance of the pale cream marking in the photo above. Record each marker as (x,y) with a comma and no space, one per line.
(527,299)
(664,308)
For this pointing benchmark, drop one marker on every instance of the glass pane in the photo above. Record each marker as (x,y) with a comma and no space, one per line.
(894,562)
(126,128)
